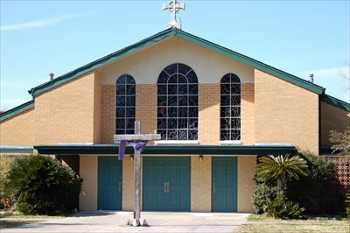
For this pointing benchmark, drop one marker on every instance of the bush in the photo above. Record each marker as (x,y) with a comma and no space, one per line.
(320,191)
(41,185)
(264,193)
(5,164)
(281,207)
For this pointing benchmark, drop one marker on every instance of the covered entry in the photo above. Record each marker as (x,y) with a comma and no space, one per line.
(224,184)
(109,183)
(166,183)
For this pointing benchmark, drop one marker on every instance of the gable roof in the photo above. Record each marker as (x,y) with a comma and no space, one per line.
(152,40)
(16,110)
(168,33)
(336,102)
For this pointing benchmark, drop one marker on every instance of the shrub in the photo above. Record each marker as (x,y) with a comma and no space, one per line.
(320,191)
(41,185)
(264,193)
(5,164)
(281,207)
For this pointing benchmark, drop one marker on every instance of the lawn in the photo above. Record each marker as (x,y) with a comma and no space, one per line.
(261,224)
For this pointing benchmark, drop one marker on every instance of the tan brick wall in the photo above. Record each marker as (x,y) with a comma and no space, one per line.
(88,171)
(108,114)
(285,113)
(128,184)
(245,184)
(247,114)
(146,107)
(201,184)
(97,110)
(18,130)
(332,118)
(209,113)
(66,114)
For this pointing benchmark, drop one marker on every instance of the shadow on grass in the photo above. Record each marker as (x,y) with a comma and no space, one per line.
(10,223)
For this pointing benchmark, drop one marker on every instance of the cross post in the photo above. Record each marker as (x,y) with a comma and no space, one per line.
(138,141)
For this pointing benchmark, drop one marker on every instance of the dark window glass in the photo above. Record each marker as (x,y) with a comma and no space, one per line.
(178,91)
(130,89)
(130,112)
(120,112)
(125,104)
(163,77)
(162,89)
(230,113)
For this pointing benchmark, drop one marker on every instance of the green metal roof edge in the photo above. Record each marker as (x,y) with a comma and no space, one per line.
(170,149)
(336,102)
(184,35)
(16,110)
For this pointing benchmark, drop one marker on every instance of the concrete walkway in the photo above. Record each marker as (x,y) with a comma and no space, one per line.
(116,222)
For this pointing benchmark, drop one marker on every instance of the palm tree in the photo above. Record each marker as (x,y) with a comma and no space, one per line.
(281,168)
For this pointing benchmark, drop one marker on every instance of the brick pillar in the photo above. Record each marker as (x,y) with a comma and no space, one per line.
(209,114)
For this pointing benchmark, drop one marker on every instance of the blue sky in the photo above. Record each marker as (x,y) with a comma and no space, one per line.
(300,37)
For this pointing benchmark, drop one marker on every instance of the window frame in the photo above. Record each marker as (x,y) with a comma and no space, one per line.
(177,103)
(234,113)
(125,94)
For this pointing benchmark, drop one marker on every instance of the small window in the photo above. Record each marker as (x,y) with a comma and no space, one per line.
(125,104)
(230,108)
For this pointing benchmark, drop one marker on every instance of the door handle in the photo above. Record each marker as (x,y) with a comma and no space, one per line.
(166,187)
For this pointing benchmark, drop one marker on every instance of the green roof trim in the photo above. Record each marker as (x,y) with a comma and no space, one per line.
(69,149)
(336,102)
(171,32)
(16,110)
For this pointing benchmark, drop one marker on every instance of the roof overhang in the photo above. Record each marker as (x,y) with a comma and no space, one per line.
(105,149)
(5,149)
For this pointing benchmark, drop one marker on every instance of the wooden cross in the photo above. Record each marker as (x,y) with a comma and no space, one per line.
(137,137)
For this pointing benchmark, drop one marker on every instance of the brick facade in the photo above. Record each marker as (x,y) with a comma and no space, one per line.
(18,130)
(285,113)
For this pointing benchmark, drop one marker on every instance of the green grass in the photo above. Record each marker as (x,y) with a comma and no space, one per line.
(263,224)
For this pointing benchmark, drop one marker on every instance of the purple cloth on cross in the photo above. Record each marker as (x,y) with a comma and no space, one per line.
(137,145)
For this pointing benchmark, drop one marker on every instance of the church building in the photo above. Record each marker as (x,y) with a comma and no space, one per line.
(216,110)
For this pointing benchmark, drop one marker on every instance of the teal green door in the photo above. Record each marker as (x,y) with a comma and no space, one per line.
(109,183)
(224,184)
(166,183)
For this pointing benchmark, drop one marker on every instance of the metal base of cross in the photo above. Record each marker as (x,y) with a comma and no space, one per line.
(138,223)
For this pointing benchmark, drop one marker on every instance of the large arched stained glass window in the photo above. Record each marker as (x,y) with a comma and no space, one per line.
(230,112)
(178,103)
(125,104)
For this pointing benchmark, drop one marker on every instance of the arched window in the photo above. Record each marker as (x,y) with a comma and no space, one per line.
(125,104)
(230,110)
(178,103)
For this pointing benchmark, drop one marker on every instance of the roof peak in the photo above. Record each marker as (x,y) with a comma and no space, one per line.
(168,33)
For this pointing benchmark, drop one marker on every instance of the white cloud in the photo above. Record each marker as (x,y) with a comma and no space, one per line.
(41,23)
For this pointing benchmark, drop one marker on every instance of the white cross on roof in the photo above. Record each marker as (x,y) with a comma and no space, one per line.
(174,6)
